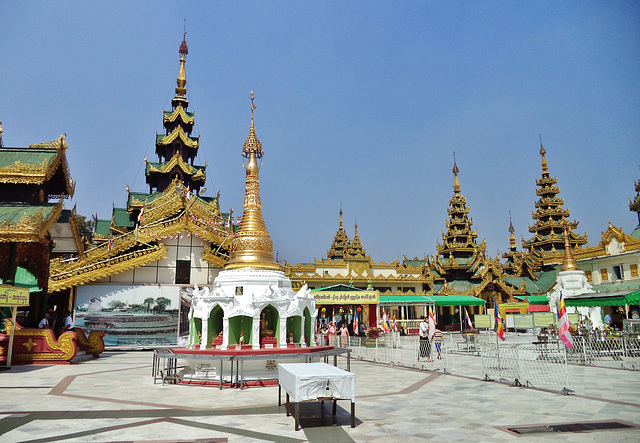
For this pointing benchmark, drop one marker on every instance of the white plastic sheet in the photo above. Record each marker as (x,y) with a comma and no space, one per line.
(310,381)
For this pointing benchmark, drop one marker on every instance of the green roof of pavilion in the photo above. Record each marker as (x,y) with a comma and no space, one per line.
(12,213)
(30,156)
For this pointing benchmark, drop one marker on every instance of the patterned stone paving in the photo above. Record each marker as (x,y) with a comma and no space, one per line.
(114,399)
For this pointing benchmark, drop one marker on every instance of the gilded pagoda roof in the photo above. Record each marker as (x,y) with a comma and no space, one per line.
(178,132)
(36,164)
(187,118)
(27,223)
(197,173)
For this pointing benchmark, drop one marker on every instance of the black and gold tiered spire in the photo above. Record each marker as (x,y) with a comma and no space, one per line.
(459,256)
(551,220)
(252,247)
(340,244)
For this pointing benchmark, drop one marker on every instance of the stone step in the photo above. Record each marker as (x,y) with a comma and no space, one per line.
(82,356)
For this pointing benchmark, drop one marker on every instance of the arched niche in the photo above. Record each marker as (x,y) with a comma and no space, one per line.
(238,326)
(294,326)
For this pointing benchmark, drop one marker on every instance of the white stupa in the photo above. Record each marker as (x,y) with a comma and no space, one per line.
(571,282)
(251,302)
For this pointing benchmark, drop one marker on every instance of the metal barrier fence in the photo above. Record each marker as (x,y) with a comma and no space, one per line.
(525,365)
(531,362)
(397,350)
(615,352)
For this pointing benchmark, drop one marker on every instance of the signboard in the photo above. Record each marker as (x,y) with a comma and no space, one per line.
(482,321)
(346,297)
(524,321)
(544,319)
(12,296)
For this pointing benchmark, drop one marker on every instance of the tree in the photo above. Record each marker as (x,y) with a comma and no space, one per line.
(148,302)
(86,227)
(162,303)
(115,304)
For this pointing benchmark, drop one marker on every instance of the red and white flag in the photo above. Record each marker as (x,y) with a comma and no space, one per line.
(432,323)
(564,331)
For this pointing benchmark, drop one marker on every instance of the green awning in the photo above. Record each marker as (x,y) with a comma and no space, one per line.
(633,298)
(402,299)
(455,300)
(618,300)
(534,299)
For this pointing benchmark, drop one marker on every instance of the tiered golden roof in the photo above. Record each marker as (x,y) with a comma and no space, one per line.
(551,219)
(340,244)
(459,256)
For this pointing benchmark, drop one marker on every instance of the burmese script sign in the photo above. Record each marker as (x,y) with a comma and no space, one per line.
(346,297)
(12,296)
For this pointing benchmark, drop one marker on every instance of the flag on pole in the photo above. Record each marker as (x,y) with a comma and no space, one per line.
(466,314)
(564,331)
(355,322)
(188,193)
(141,212)
(385,321)
(497,327)
(110,244)
(395,324)
(432,323)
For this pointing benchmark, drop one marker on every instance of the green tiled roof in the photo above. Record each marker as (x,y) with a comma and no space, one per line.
(11,213)
(123,219)
(194,168)
(636,232)
(616,286)
(159,138)
(516,282)
(546,280)
(415,263)
(143,196)
(30,156)
(103,227)
(168,113)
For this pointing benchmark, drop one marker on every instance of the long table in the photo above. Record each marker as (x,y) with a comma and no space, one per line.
(315,382)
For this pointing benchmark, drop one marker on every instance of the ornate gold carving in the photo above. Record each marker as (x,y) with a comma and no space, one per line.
(29,345)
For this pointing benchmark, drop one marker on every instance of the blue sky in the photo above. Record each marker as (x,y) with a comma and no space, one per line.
(360,104)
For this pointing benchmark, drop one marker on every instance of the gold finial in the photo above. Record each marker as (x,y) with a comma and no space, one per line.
(252,144)
(544,158)
(340,215)
(568,261)
(181,89)
(512,237)
(456,180)
(252,247)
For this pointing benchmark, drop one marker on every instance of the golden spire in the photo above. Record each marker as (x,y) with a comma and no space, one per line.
(456,180)
(181,89)
(512,238)
(252,247)
(568,261)
(544,159)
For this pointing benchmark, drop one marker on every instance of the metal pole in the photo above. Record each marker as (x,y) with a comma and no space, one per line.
(460,312)
(14,315)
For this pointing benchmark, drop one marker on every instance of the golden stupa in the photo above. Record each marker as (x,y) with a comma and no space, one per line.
(252,248)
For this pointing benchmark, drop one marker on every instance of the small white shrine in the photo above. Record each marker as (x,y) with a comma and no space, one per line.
(251,304)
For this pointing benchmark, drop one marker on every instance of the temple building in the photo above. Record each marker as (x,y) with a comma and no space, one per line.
(152,251)
(34,183)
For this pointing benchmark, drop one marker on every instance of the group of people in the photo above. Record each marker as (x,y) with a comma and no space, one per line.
(330,332)
(426,340)
(52,321)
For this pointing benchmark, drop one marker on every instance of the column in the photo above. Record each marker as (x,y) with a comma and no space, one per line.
(225,333)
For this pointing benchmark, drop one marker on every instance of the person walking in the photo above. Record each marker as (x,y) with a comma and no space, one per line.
(425,345)
(344,335)
(438,340)
(332,333)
